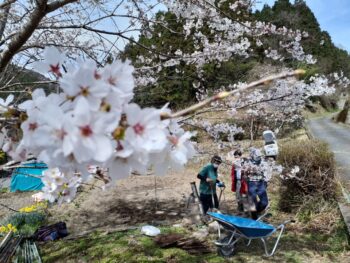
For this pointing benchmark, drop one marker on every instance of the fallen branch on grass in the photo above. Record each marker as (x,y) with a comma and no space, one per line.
(108,231)
(9,208)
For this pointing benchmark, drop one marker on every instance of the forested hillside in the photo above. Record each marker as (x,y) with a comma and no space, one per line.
(19,80)
(178,84)
(299,16)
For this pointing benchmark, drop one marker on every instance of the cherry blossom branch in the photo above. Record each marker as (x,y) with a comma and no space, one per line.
(225,14)
(58,4)
(26,83)
(225,94)
(41,10)
(215,109)
(266,100)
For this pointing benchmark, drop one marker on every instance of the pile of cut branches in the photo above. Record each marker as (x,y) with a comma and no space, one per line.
(316,178)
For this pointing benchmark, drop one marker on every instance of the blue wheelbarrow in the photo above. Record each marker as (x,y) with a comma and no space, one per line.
(244,228)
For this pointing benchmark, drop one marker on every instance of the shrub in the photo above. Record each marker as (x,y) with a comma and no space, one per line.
(318,215)
(316,178)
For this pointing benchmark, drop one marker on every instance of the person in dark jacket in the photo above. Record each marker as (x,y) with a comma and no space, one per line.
(256,183)
(207,187)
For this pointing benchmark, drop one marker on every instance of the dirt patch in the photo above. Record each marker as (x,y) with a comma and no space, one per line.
(134,200)
(138,199)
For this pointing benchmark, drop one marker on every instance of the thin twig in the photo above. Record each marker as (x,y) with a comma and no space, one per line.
(28,83)
(8,208)
(92,185)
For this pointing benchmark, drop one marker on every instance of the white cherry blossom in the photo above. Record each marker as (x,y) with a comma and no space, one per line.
(5,104)
(145,131)
(52,63)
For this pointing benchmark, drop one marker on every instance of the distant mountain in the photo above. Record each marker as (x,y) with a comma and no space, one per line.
(18,79)
(330,57)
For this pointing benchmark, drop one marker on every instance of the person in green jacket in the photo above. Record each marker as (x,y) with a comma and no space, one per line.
(207,187)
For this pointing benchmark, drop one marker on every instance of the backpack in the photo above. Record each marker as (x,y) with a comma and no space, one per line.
(51,232)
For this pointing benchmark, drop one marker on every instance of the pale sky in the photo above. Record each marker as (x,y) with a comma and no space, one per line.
(333,17)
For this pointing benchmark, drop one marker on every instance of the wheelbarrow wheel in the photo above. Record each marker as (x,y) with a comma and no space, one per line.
(226,251)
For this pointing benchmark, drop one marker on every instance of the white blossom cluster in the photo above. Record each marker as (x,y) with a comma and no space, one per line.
(227,37)
(291,174)
(60,186)
(280,104)
(219,131)
(286,96)
(266,167)
(93,122)
(339,79)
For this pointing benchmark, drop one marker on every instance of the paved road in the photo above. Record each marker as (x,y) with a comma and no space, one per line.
(338,138)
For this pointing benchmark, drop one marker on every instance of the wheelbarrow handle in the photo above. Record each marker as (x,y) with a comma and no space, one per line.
(286,222)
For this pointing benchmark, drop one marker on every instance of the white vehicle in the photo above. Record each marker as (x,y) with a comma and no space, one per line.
(271,147)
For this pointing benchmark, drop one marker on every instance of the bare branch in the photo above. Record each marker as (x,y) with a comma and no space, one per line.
(7,3)
(3,19)
(224,94)
(8,208)
(58,4)
(27,84)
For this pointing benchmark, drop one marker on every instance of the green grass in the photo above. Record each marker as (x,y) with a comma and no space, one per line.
(320,113)
(4,190)
(131,246)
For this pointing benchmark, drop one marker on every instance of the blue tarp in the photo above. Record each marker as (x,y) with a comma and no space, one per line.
(25,178)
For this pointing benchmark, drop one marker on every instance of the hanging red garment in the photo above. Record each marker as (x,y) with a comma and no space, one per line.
(244,184)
